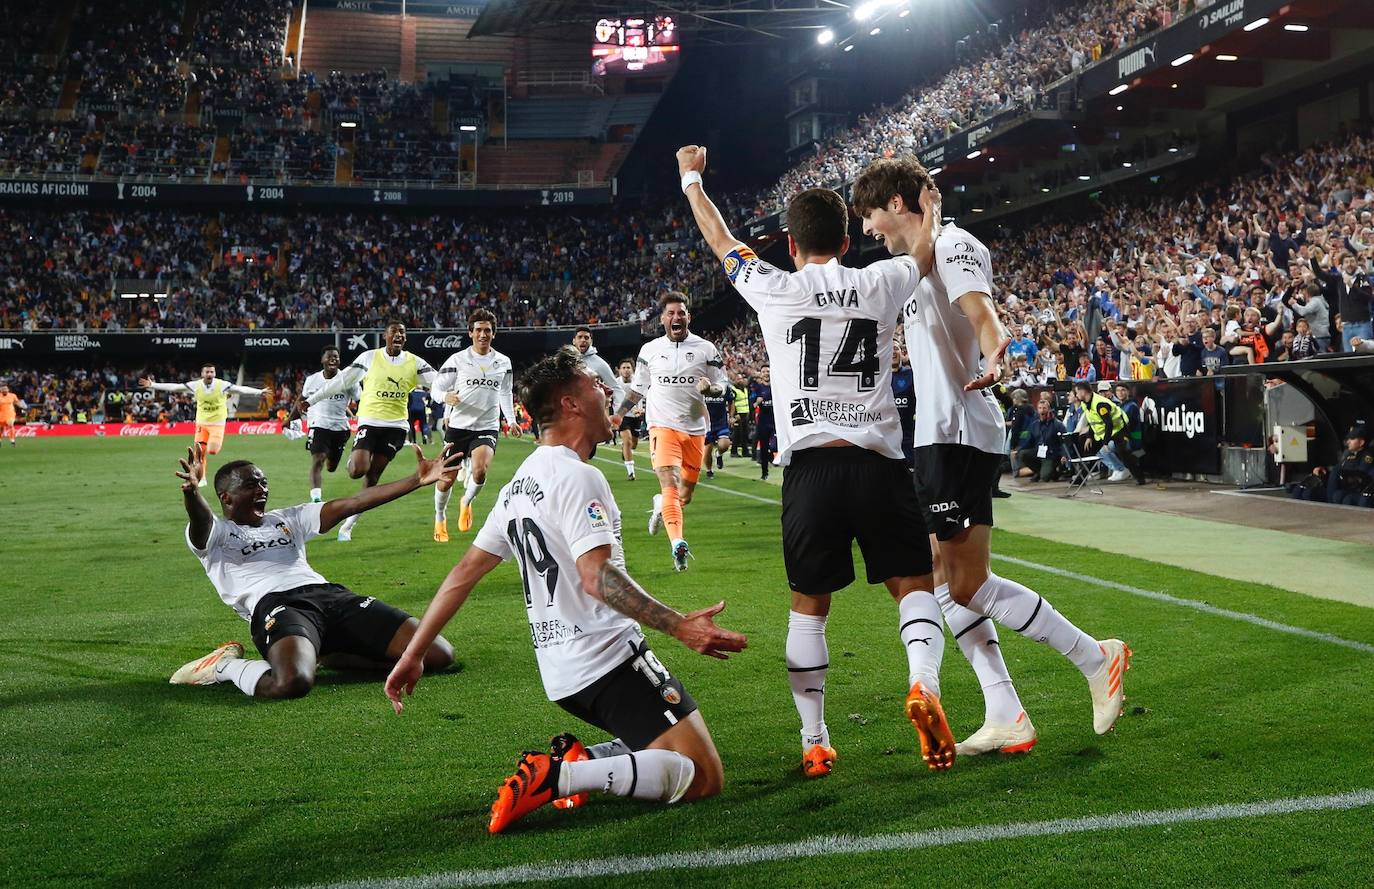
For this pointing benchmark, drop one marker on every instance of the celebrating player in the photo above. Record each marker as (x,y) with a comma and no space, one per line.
(256,560)
(387,375)
(828,331)
(476,385)
(8,401)
(212,408)
(632,424)
(582,339)
(557,518)
(951,323)
(672,375)
(328,419)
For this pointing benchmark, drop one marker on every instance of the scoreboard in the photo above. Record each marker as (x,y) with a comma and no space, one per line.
(632,45)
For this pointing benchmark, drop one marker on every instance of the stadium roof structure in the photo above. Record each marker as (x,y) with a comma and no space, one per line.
(722,22)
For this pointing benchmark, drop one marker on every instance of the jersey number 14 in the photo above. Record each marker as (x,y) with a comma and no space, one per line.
(856,356)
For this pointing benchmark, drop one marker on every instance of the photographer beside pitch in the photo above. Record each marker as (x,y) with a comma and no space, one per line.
(256,560)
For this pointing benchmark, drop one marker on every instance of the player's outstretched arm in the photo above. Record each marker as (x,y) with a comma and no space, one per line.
(342,381)
(427,472)
(452,593)
(627,404)
(197,510)
(150,383)
(608,582)
(692,159)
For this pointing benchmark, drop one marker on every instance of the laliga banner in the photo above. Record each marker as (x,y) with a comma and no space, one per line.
(141,430)
(1189,432)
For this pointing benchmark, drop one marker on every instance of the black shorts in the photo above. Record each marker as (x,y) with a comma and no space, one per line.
(765,435)
(955,483)
(380,440)
(334,618)
(633,425)
(465,441)
(832,497)
(635,702)
(718,431)
(326,441)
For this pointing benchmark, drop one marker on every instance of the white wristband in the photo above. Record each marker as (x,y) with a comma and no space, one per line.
(690,178)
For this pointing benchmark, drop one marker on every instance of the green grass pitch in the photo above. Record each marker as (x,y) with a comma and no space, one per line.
(112,777)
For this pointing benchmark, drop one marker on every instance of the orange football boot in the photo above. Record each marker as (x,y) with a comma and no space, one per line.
(937,741)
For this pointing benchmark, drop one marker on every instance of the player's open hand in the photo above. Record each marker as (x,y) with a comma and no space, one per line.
(691,157)
(699,632)
(994,368)
(404,676)
(146,382)
(923,250)
(430,471)
(190,470)
(513,431)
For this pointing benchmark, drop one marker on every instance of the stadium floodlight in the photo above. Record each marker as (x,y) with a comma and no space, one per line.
(1295,28)
(1119,89)
(1044,189)
(935,171)
(875,32)
(825,37)
(904,13)
(1226,57)
(864,11)
(849,48)
(1083,177)
(468,128)
(1182,60)
(1173,86)
(1121,108)
(348,124)
(1256,24)
(977,209)
(1127,164)
(1173,151)
(972,154)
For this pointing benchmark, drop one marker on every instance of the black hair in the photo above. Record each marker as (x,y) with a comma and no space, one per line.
(580,328)
(671,297)
(224,476)
(544,384)
(480,315)
(818,221)
(327,349)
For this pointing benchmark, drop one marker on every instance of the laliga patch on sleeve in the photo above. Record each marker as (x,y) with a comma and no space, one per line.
(735,260)
(596,516)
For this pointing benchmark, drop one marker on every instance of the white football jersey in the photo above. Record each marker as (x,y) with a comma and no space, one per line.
(943,347)
(666,374)
(597,365)
(246,563)
(484,384)
(828,330)
(555,509)
(332,412)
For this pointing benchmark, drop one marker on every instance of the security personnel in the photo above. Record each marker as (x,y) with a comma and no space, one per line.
(739,434)
(904,394)
(1351,480)
(1107,422)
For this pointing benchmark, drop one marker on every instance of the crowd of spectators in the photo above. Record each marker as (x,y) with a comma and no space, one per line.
(996,76)
(81,394)
(171,152)
(341,270)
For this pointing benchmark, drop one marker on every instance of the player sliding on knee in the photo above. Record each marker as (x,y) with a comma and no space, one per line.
(956,343)
(475,385)
(255,557)
(558,520)
(674,374)
(829,333)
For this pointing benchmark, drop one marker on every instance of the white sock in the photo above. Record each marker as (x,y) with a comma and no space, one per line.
(243,673)
(613,747)
(630,468)
(348,523)
(316,495)
(662,775)
(923,637)
(977,638)
(658,503)
(470,490)
(441,503)
(1026,611)
(808,660)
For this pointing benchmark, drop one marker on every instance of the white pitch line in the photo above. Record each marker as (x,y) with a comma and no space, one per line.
(1242,616)
(824,847)
(1205,608)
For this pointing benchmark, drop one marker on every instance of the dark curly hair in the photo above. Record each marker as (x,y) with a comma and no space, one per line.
(546,382)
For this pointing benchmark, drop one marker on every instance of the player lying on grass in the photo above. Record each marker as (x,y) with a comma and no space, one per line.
(557,518)
(256,560)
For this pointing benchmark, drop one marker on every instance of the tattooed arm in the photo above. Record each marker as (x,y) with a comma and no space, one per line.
(631,399)
(605,580)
